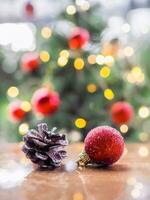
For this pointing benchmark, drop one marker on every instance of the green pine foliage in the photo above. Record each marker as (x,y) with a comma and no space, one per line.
(71,84)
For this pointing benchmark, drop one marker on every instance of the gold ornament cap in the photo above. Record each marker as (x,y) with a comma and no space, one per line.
(83,159)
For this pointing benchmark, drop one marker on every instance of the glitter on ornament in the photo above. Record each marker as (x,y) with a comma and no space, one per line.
(103,145)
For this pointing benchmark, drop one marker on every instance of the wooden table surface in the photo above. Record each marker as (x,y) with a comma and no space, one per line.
(127,179)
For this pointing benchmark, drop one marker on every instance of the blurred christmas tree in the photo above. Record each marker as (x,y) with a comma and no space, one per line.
(75,80)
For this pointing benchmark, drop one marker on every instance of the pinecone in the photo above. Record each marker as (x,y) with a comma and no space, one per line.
(45,148)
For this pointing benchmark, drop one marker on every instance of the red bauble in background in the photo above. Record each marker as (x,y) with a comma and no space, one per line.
(104,145)
(121,112)
(79,38)
(45,102)
(16,113)
(29,9)
(30,62)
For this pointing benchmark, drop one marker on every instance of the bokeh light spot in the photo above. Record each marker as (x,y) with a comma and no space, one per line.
(23,128)
(46,32)
(44,56)
(105,72)
(79,64)
(80,123)
(13,91)
(108,94)
(91,88)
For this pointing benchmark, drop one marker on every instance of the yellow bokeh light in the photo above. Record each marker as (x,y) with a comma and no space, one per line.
(62,61)
(91,88)
(128,51)
(44,56)
(13,91)
(143,151)
(143,137)
(136,75)
(124,128)
(71,10)
(78,196)
(80,123)
(144,112)
(23,128)
(91,59)
(105,72)
(109,94)
(79,63)
(136,70)
(109,60)
(100,59)
(26,106)
(64,53)
(46,32)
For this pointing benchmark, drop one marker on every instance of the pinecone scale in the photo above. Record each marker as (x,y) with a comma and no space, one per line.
(45,147)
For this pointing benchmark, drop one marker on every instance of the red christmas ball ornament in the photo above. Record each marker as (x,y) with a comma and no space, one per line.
(30,62)
(121,112)
(104,145)
(29,9)
(16,112)
(79,38)
(45,102)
